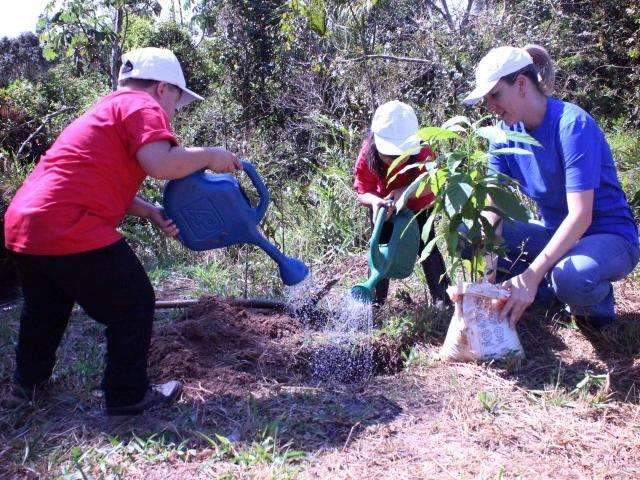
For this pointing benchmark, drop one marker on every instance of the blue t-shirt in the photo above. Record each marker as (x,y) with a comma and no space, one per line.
(574,157)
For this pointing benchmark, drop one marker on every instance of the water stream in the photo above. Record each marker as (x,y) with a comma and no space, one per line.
(343,348)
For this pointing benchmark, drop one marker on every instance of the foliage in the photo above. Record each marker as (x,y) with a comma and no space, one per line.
(51,103)
(91,32)
(20,57)
(465,190)
(625,146)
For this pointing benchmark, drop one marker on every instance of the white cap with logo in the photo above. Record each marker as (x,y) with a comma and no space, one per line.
(494,65)
(395,128)
(151,63)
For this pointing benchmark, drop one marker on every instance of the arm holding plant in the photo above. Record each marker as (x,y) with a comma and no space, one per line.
(524,286)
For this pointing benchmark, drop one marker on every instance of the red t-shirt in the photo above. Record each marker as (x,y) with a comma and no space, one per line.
(80,190)
(368,181)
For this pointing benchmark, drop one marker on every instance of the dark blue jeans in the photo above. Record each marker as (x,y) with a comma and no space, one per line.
(582,278)
(112,287)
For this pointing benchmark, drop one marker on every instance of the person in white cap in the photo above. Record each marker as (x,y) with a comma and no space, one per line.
(393,132)
(61,230)
(587,236)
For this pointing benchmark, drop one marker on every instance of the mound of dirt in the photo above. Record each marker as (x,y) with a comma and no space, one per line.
(223,348)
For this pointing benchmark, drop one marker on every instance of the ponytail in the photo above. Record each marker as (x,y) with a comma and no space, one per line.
(544,64)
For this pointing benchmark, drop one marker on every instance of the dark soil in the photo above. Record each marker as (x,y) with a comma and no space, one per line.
(229,350)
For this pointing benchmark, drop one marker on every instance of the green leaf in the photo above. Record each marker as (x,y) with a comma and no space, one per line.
(429,134)
(318,17)
(453,237)
(49,53)
(409,191)
(437,180)
(457,194)
(428,248)
(511,151)
(479,156)
(492,133)
(522,138)
(428,226)
(454,160)
(404,169)
(456,122)
(396,163)
(508,203)
(421,187)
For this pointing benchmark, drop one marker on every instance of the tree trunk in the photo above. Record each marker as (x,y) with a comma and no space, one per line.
(116,49)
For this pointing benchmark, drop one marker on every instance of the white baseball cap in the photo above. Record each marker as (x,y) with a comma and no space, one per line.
(394,128)
(494,65)
(159,64)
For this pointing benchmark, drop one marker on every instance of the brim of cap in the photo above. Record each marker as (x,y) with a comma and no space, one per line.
(479,92)
(386,146)
(187,97)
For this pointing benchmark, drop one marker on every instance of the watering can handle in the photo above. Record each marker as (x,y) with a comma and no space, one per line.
(377,228)
(263,203)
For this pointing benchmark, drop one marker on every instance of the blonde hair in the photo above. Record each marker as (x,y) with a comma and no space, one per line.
(544,65)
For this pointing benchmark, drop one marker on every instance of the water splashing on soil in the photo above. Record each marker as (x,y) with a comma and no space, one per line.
(342,349)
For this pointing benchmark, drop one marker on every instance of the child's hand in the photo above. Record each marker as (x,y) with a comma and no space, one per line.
(391,199)
(379,203)
(156,215)
(223,161)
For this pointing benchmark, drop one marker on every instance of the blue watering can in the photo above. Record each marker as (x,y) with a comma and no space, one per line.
(212,211)
(394,259)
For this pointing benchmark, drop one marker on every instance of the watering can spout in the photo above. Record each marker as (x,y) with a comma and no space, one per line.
(365,292)
(292,271)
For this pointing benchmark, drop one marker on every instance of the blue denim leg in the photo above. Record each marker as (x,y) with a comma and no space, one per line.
(582,278)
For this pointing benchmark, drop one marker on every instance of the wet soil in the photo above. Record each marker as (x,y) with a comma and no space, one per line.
(228,349)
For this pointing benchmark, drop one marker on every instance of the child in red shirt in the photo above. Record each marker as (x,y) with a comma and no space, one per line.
(393,132)
(60,229)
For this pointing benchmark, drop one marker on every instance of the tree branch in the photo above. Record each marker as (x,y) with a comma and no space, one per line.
(387,57)
(465,19)
(45,120)
(444,12)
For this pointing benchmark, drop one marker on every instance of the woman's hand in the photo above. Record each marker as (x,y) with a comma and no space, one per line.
(523,290)
(156,215)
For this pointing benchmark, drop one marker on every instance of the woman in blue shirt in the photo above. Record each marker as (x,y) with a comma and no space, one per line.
(586,236)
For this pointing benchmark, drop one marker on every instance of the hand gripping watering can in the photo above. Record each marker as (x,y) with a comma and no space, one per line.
(212,211)
(395,259)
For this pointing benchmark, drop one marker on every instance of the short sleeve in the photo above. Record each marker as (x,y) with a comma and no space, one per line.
(147,125)
(581,142)
(364,179)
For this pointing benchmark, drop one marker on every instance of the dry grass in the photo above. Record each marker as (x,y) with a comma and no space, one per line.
(571,411)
